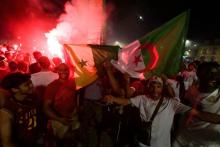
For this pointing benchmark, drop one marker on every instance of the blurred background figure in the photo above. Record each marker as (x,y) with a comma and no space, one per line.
(56,61)
(13,67)
(37,55)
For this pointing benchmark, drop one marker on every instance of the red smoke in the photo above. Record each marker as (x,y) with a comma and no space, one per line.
(82,23)
(25,21)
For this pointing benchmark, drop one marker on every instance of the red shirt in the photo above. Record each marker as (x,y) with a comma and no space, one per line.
(62,95)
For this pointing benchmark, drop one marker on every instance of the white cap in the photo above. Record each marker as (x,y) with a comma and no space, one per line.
(156,79)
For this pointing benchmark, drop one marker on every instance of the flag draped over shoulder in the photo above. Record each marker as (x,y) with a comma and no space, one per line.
(87,60)
(159,51)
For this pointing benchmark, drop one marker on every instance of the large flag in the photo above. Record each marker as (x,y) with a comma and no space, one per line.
(159,51)
(87,60)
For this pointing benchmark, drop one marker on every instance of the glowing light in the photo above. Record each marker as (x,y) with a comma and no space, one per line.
(54,47)
(43,51)
(187,53)
(82,23)
(15,46)
(4,49)
(118,43)
(187,43)
(140,17)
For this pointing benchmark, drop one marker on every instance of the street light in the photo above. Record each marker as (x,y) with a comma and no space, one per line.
(140,17)
(187,43)
(118,43)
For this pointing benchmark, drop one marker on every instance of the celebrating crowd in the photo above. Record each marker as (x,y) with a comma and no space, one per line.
(41,107)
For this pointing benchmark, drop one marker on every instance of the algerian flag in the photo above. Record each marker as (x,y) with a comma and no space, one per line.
(87,60)
(159,51)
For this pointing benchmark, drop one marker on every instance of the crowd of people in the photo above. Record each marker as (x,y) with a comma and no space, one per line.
(41,107)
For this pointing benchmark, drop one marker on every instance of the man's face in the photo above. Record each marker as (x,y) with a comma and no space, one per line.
(26,88)
(155,90)
(214,76)
(63,72)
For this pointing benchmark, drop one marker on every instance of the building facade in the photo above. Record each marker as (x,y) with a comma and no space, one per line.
(208,53)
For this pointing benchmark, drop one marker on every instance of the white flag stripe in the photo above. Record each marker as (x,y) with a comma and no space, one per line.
(126,60)
(125,53)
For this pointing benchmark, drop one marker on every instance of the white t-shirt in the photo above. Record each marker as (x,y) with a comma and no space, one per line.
(189,78)
(43,78)
(201,133)
(176,87)
(162,123)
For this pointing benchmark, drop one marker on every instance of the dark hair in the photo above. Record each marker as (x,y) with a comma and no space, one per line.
(61,64)
(44,62)
(37,55)
(205,74)
(2,58)
(57,60)
(14,80)
(22,66)
(34,68)
(12,66)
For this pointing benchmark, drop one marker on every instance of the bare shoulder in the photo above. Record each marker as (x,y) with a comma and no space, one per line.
(5,115)
(3,96)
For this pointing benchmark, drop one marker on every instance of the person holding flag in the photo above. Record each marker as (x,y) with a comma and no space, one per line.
(163,120)
(158,52)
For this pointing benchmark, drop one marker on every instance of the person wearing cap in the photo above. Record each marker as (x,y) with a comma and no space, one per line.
(162,123)
(20,123)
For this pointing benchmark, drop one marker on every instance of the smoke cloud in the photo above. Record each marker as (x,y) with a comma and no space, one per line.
(82,23)
(26,21)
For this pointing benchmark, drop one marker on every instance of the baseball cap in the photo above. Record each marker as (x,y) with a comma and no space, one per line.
(156,79)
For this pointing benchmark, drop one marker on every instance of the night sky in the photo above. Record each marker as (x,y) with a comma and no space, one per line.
(124,23)
(204,21)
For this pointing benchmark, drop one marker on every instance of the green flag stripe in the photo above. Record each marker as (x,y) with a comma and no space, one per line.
(157,33)
(173,62)
(165,53)
(102,53)
(169,40)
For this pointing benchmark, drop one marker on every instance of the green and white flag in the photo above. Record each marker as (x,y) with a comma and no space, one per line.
(159,51)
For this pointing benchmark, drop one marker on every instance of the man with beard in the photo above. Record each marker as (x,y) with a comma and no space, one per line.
(168,107)
(20,123)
